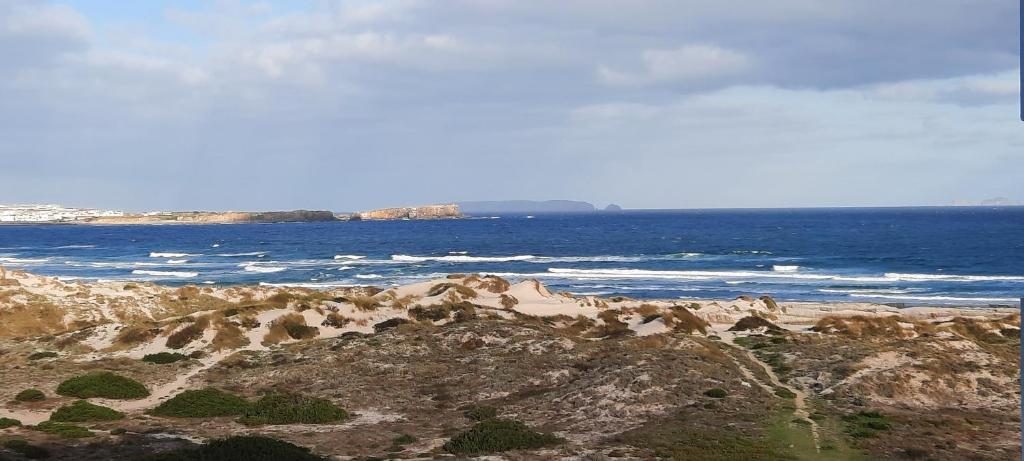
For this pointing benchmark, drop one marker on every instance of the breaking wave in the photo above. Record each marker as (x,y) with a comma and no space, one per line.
(182,275)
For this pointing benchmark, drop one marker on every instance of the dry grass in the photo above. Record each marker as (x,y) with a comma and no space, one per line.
(363,302)
(189,333)
(289,326)
(132,336)
(859,326)
(494,284)
(229,336)
(681,319)
(335,320)
(508,301)
(462,290)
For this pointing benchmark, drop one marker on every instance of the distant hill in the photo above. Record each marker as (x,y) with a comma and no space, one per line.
(998,201)
(525,206)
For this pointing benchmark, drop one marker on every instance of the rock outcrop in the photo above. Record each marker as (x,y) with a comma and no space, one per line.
(422,212)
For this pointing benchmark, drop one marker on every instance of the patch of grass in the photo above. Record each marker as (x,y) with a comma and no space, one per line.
(9,422)
(26,449)
(102,384)
(284,408)
(202,403)
(497,435)
(403,439)
(481,412)
(240,448)
(866,424)
(162,358)
(716,393)
(82,411)
(30,395)
(67,431)
(42,355)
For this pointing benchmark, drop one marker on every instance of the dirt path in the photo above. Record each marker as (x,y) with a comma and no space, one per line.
(799,402)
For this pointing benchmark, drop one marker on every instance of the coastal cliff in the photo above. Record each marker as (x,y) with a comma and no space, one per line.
(422,212)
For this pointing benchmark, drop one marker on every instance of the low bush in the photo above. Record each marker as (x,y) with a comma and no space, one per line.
(497,435)
(784,393)
(162,358)
(82,411)
(30,395)
(716,393)
(9,422)
(65,430)
(481,412)
(285,408)
(42,355)
(26,449)
(202,403)
(864,424)
(102,384)
(240,448)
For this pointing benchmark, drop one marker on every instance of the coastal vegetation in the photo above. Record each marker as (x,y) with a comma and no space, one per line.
(240,448)
(202,403)
(30,395)
(498,435)
(289,408)
(163,358)
(102,384)
(82,411)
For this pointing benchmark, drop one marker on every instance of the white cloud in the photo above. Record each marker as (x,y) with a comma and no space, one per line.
(686,64)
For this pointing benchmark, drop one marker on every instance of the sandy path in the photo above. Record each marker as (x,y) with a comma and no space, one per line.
(165,391)
(799,402)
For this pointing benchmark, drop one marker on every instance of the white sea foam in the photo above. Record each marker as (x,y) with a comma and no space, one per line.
(779,268)
(349,257)
(263,269)
(72,247)
(23,260)
(935,298)
(177,261)
(183,275)
(233,255)
(170,255)
(461,258)
(369,276)
(952,277)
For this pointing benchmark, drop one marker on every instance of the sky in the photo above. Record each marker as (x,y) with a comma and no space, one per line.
(353,105)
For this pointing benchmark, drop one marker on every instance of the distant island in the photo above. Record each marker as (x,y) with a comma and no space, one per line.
(997,201)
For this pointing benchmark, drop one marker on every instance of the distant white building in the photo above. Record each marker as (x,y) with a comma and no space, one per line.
(50,213)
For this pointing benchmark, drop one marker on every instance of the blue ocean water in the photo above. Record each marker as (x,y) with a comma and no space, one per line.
(964,256)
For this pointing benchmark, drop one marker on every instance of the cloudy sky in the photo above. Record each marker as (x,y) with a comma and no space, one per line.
(349,105)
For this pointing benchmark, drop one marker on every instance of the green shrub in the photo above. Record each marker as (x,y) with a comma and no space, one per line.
(283,408)
(30,395)
(481,412)
(864,424)
(102,384)
(497,435)
(403,439)
(784,393)
(240,448)
(68,431)
(162,358)
(26,449)
(82,411)
(8,422)
(42,355)
(716,392)
(202,403)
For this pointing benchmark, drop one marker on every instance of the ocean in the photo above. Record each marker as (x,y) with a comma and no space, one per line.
(917,256)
